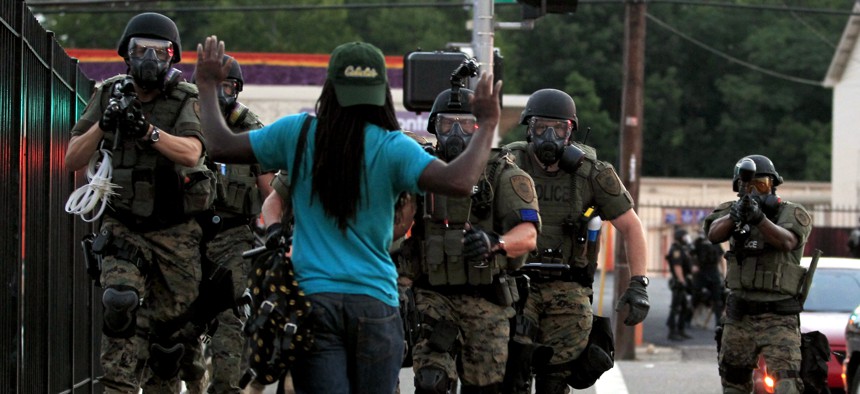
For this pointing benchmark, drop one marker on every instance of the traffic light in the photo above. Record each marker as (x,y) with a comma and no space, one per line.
(533,9)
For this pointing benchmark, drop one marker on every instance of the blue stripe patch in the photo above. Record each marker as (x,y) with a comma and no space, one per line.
(529,215)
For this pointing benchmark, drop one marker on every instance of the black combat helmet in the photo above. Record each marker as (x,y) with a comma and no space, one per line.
(151,25)
(444,104)
(550,103)
(680,234)
(763,167)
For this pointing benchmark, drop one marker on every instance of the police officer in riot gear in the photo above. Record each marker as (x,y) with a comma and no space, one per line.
(148,241)
(227,233)
(680,266)
(461,250)
(574,189)
(766,237)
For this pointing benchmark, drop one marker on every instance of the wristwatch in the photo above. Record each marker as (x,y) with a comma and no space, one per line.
(153,137)
(643,280)
(502,251)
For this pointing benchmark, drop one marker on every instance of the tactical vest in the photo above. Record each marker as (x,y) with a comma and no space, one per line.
(754,265)
(237,191)
(563,200)
(155,192)
(442,244)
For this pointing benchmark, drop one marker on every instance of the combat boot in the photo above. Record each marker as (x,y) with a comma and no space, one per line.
(673,335)
(683,334)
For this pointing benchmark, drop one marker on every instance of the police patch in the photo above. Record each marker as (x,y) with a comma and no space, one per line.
(523,187)
(802,217)
(609,182)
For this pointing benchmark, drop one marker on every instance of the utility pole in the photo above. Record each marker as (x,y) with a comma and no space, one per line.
(631,155)
(483,34)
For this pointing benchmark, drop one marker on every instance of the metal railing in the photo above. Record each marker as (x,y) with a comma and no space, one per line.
(49,338)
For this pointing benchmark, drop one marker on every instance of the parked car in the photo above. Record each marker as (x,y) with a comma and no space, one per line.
(851,365)
(834,294)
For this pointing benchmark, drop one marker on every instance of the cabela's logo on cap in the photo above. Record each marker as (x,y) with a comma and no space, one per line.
(359,72)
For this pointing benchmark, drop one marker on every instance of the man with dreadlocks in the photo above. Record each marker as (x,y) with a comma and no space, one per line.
(351,169)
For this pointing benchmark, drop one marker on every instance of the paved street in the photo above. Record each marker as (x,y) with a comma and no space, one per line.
(661,366)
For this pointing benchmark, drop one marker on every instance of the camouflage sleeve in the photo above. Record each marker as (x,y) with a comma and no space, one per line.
(515,200)
(281,184)
(610,195)
(795,218)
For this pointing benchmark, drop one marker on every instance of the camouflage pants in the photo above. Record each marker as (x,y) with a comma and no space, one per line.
(228,343)
(483,333)
(564,314)
(169,286)
(776,337)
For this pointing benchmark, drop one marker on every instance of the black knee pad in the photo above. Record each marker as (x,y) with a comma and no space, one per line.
(164,359)
(431,380)
(736,375)
(120,311)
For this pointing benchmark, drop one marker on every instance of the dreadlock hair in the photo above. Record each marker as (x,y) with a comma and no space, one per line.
(338,171)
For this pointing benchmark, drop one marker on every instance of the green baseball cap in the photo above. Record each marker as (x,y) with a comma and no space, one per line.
(357,70)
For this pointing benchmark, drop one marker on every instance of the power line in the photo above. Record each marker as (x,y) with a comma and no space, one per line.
(732,58)
(74,7)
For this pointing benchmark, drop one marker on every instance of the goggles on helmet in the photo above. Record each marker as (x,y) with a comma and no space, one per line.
(229,87)
(138,47)
(762,184)
(445,122)
(561,127)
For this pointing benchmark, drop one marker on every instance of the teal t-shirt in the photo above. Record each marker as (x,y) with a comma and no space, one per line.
(327,260)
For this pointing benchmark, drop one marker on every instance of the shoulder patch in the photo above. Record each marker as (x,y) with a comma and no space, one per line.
(197,108)
(609,182)
(523,187)
(802,216)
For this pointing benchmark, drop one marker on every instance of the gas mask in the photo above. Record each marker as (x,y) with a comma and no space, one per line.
(549,136)
(228,93)
(453,132)
(149,59)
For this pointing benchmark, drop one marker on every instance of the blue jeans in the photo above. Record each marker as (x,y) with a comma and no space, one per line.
(358,346)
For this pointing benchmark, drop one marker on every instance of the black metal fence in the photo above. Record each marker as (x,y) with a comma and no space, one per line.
(49,340)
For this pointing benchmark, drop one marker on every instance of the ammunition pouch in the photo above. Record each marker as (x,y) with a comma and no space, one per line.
(198,191)
(761,272)
(542,272)
(237,191)
(737,308)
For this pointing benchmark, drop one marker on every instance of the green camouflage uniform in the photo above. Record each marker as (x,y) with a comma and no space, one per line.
(758,273)
(237,204)
(560,307)
(456,293)
(155,244)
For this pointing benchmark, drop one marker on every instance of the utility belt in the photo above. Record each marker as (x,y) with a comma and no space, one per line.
(543,272)
(502,291)
(737,308)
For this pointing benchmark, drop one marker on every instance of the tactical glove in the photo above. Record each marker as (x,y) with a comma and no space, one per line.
(110,117)
(135,124)
(480,245)
(274,233)
(751,212)
(637,298)
(735,211)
